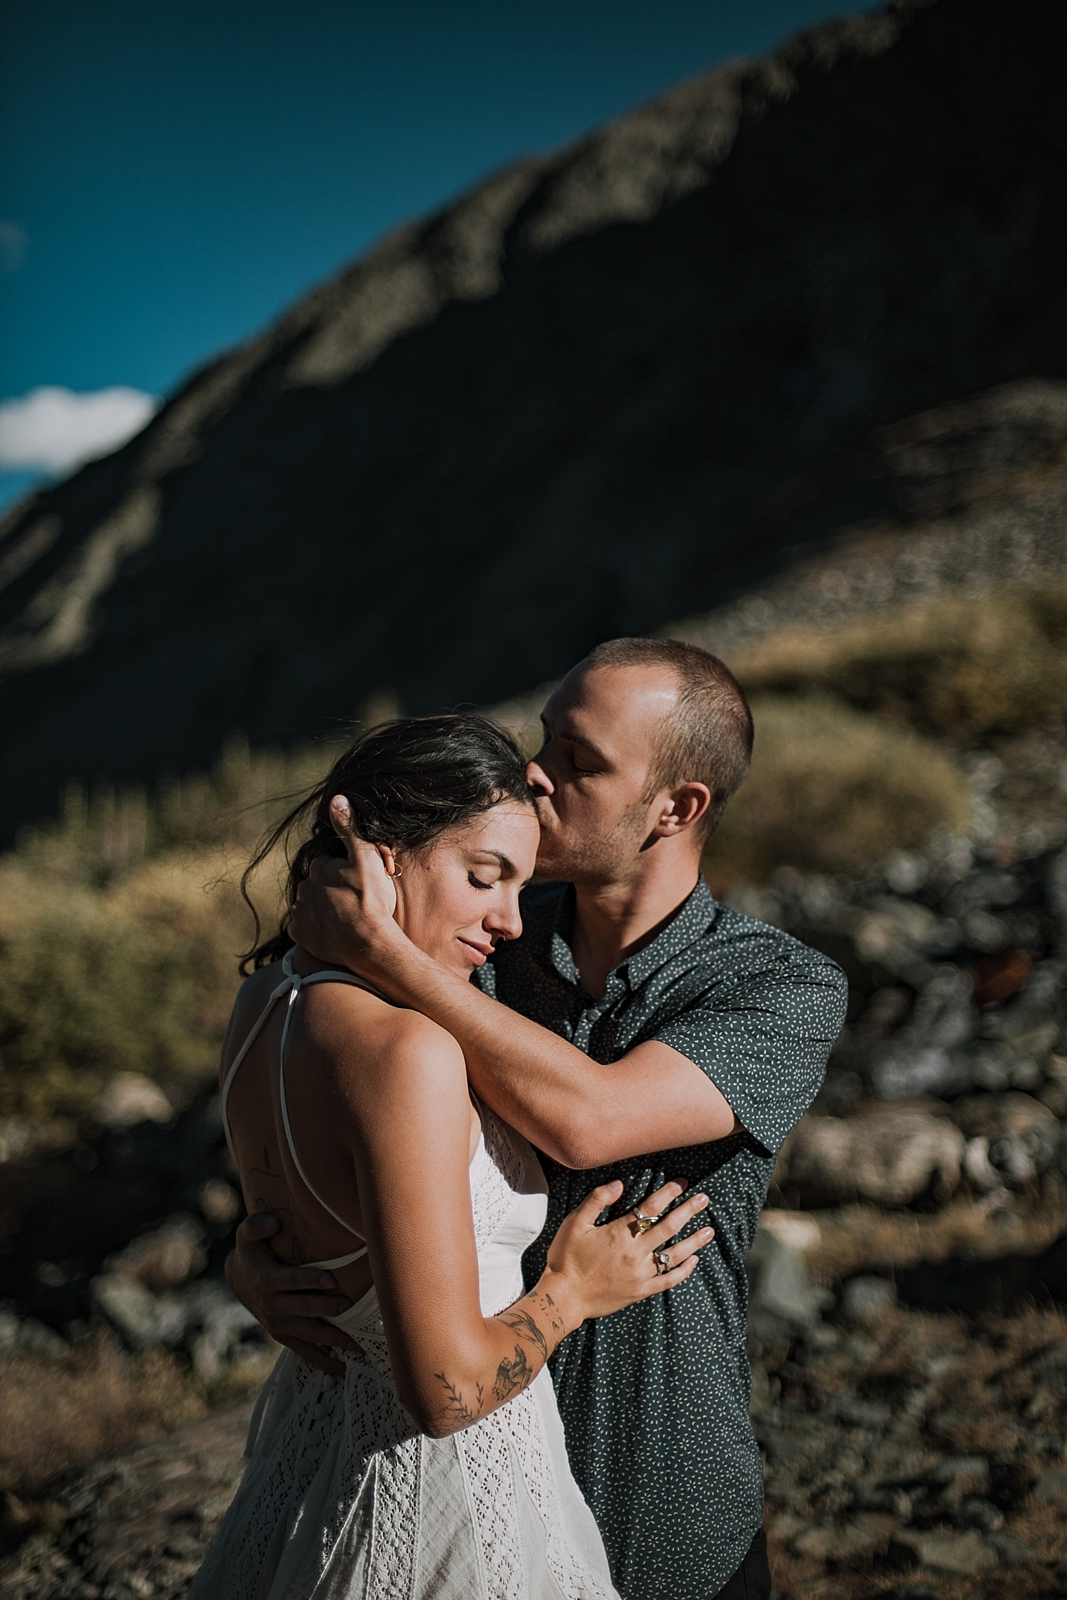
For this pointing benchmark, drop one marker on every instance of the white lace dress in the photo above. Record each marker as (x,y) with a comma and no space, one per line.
(343,1497)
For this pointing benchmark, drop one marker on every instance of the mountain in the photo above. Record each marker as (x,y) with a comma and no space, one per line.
(609,386)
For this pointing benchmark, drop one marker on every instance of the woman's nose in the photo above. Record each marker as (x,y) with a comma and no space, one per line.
(538,778)
(506,920)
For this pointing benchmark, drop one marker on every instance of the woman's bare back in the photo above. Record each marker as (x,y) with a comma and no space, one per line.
(319,1208)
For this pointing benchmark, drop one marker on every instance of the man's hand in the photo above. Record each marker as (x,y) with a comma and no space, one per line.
(344,910)
(290,1302)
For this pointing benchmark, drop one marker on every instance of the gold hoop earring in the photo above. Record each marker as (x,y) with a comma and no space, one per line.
(398,872)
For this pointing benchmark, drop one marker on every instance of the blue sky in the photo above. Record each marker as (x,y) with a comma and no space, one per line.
(174,172)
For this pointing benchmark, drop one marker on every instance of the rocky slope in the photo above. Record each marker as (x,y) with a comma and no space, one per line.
(137,1525)
(908,1329)
(583,400)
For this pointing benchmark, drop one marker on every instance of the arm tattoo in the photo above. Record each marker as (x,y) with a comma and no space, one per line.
(455,1407)
(551,1311)
(511,1376)
(523,1324)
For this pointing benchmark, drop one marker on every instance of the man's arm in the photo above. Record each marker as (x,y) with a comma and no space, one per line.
(292,1303)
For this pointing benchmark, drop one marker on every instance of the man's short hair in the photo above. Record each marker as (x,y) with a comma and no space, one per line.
(709,738)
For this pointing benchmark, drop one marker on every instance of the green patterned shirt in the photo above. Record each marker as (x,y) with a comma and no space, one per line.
(655,1399)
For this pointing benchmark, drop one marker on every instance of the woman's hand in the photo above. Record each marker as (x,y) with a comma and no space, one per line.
(597,1270)
(344,908)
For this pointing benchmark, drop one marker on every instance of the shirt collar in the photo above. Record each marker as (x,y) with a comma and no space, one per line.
(694,917)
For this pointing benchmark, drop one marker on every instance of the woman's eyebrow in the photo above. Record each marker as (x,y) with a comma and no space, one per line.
(506,863)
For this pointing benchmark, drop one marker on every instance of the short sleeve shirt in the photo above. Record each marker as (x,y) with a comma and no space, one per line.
(655,1399)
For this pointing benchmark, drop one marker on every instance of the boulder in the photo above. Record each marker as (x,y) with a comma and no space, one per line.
(942,1551)
(26,1336)
(219,1202)
(868,1532)
(926,1056)
(909,1069)
(1012,1138)
(1051,1487)
(131,1098)
(143,1318)
(217,1327)
(164,1258)
(867,1299)
(890,1157)
(781,1293)
(1011,1550)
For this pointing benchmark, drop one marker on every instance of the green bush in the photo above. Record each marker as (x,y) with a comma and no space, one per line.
(832,789)
(137,975)
(120,929)
(962,666)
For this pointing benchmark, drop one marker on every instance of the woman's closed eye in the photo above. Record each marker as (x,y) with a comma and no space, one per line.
(476,883)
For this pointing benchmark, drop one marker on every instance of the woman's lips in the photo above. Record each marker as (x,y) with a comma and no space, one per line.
(478,954)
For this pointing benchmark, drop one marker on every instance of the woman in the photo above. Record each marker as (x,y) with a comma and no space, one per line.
(436,1466)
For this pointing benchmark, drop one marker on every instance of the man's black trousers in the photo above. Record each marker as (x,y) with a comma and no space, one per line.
(752,1580)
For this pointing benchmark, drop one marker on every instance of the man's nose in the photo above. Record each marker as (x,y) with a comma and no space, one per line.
(538,778)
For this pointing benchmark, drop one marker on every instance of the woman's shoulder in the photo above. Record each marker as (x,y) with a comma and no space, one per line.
(253,996)
(338,1014)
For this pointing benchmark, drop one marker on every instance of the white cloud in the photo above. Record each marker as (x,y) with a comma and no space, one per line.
(55,430)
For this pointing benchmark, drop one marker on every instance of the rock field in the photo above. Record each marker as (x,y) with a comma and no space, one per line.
(907,1328)
(130,1228)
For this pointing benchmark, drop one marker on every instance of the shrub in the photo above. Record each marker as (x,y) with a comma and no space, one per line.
(960,665)
(120,927)
(136,976)
(832,789)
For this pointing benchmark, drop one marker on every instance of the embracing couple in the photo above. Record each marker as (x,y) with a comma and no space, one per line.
(504,1150)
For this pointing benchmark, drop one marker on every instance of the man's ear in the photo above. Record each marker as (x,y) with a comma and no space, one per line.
(684,806)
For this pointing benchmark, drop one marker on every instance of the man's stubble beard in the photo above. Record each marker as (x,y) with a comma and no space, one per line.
(567,855)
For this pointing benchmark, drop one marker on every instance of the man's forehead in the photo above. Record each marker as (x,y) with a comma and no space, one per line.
(613,700)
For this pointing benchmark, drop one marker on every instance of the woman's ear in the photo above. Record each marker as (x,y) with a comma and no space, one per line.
(388,855)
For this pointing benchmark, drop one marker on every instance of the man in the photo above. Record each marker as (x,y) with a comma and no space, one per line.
(633,1015)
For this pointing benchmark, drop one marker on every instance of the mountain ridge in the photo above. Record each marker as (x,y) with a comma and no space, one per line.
(551,411)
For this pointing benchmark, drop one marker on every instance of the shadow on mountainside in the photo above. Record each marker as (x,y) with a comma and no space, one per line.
(583,400)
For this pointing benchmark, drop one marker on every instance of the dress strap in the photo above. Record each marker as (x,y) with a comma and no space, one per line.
(227,1084)
(298,984)
(292,984)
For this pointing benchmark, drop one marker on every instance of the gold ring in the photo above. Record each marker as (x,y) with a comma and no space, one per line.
(643,1222)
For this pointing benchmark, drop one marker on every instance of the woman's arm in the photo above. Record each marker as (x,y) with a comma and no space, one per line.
(408,1111)
(583,1113)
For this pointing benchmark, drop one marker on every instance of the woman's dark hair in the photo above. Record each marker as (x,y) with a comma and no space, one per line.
(406,780)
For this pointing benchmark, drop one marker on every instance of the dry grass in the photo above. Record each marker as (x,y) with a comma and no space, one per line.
(960,665)
(56,1416)
(832,789)
(847,1239)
